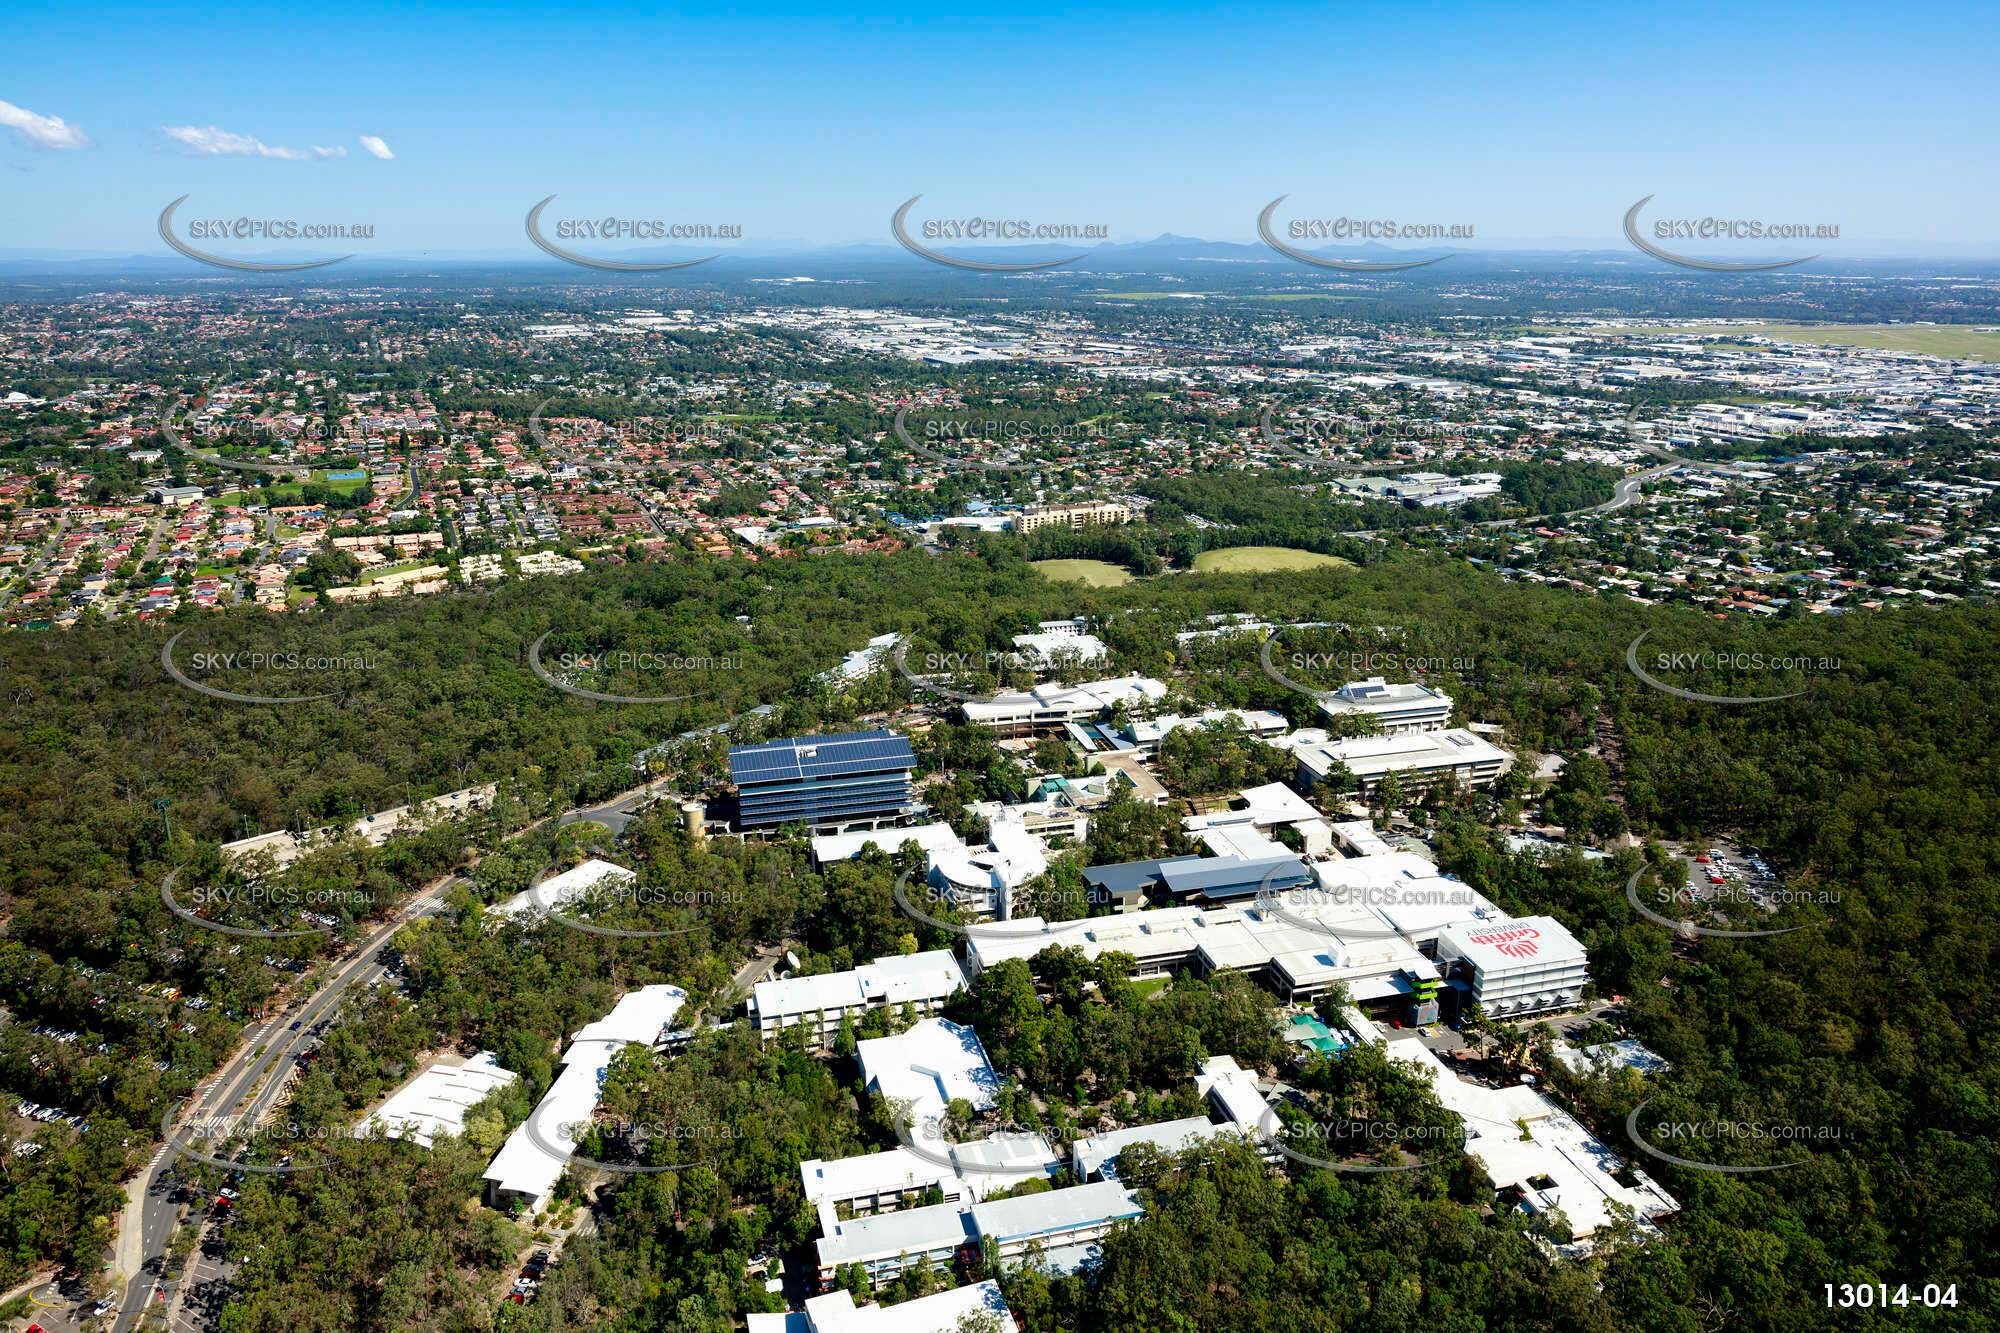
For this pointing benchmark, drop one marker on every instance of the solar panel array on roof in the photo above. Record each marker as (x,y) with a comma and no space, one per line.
(797,757)
(822,779)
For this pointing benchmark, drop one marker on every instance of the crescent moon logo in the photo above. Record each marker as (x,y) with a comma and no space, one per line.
(1632,662)
(240,265)
(534,224)
(898,229)
(1706,265)
(1338,265)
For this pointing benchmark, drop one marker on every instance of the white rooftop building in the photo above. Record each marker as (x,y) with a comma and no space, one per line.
(530,1163)
(1264,810)
(1359,838)
(1061,641)
(434,1103)
(934,839)
(1147,733)
(1398,708)
(1407,893)
(1416,758)
(1299,945)
(983,880)
(1063,1226)
(1096,1157)
(876,1182)
(922,980)
(1055,704)
(939,1312)
(1518,966)
(1627,1053)
(929,1066)
(1529,1145)
(559,891)
(1232,1093)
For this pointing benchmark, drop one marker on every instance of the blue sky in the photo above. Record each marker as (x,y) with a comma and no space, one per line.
(806,123)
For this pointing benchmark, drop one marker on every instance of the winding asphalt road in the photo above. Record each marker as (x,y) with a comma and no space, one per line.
(250,1084)
(257,1074)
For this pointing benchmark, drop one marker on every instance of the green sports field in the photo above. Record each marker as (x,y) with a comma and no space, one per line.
(1263,560)
(1097,573)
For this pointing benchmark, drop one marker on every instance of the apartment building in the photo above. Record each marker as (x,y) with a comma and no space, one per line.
(1072,516)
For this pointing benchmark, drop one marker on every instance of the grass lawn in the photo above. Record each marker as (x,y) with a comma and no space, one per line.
(1150,987)
(1264,560)
(370,575)
(1097,573)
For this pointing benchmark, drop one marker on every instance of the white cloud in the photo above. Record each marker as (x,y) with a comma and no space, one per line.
(42,131)
(210,141)
(375,145)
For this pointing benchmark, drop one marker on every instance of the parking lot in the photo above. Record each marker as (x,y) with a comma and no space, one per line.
(1722,871)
